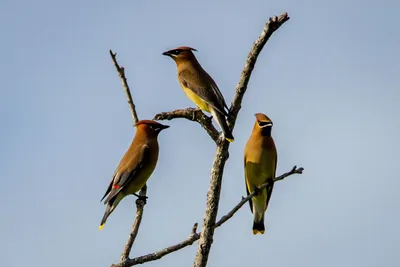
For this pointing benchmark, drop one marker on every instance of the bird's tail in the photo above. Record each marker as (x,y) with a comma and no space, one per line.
(220,118)
(258,227)
(260,204)
(109,210)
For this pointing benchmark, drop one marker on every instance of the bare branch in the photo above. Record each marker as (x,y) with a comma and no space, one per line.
(161,253)
(194,236)
(192,114)
(244,200)
(221,155)
(140,202)
(220,158)
(270,27)
(121,74)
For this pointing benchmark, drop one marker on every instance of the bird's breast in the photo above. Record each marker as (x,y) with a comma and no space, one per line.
(146,170)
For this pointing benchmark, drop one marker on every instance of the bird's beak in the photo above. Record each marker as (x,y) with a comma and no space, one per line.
(164,127)
(166,53)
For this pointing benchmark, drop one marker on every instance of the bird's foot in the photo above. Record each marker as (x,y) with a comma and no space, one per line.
(143,198)
(257,191)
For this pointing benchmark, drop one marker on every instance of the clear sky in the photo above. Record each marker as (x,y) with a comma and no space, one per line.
(328,78)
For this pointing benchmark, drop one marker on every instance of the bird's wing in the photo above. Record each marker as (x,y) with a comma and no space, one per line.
(208,91)
(218,92)
(109,187)
(247,187)
(120,180)
(270,186)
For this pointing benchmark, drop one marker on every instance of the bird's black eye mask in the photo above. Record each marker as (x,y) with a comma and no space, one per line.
(176,52)
(158,128)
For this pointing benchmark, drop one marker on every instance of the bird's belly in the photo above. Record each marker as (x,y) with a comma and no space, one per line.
(256,174)
(196,99)
(259,168)
(139,181)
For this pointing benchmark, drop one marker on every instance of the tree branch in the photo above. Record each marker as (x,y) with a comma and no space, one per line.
(245,199)
(220,158)
(221,155)
(194,236)
(140,202)
(270,27)
(192,114)
(121,74)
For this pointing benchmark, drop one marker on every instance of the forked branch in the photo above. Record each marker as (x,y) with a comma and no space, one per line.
(191,114)
(221,155)
(206,236)
(194,236)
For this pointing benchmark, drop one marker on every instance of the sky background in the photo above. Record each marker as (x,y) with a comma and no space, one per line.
(328,78)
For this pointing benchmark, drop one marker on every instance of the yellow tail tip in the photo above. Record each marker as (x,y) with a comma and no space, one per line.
(255,231)
(230,140)
(101,226)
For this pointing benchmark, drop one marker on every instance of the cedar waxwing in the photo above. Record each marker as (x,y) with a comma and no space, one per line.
(135,167)
(260,160)
(200,87)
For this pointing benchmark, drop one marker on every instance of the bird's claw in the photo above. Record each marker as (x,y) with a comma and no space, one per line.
(256,191)
(143,198)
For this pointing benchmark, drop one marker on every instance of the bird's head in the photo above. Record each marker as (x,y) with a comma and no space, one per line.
(263,124)
(181,53)
(150,127)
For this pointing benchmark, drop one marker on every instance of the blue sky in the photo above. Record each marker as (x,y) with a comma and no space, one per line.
(328,79)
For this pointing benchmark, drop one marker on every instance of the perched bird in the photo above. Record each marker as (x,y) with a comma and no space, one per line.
(200,87)
(260,158)
(135,167)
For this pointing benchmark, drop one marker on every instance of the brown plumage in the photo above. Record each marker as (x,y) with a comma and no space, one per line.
(200,87)
(135,167)
(260,159)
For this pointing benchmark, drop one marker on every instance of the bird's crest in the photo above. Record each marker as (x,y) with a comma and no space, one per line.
(263,120)
(148,122)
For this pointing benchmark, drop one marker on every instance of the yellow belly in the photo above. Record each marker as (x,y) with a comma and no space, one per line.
(259,168)
(196,99)
(138,181)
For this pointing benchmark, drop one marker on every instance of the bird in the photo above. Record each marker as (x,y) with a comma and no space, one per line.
(260,159)
(135,167)
(199,87)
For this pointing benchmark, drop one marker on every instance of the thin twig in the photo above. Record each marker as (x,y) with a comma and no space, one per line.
(161,253)
(194,236)
(139,202)
(221,155)
(244,200)
(121,74)
(192,114)
(270,27)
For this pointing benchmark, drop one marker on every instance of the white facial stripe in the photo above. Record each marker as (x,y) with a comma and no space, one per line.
(266,125)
